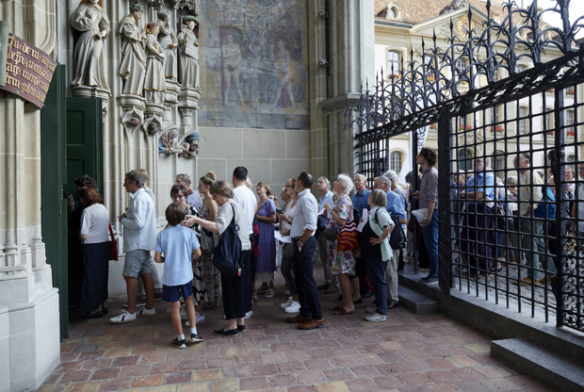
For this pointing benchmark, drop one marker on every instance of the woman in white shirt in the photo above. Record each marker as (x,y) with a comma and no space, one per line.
(95,237)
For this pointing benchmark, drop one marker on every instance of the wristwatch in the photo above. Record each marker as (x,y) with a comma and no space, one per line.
(300,246)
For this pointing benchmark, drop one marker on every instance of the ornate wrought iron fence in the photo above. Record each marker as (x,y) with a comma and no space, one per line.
(510,242)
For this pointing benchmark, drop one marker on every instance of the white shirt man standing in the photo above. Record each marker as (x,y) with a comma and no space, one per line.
(139,241)
(248,202)
(331,284)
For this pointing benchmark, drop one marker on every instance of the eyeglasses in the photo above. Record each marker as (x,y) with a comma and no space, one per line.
(178,181)
(177,197)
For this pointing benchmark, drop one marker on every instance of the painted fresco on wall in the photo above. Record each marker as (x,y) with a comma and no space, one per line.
(254,64)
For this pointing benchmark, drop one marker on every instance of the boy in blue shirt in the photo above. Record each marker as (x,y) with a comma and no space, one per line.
(178,244)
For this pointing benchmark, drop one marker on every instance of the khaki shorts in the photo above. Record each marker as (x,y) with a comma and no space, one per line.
(138,262)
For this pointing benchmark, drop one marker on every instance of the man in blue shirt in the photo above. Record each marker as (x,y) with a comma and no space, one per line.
(326,196)
(359,201)
(480,193)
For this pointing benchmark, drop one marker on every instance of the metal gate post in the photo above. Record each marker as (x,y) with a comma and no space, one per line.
(445,254)
(557,163)
(415,204)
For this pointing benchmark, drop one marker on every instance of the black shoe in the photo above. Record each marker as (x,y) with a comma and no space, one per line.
(366,294)
(323,286)
(95,315)
(195,338)
(104,311)
(179,343)
(223,332)
(359,301)
(241,328)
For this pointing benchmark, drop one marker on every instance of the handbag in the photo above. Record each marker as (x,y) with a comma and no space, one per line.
(113,244)
(287,251)
(206,245)
(348,238)
(330,235)
(227,255)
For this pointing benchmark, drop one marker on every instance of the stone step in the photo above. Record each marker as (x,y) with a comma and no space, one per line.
(417,302)
(559,371)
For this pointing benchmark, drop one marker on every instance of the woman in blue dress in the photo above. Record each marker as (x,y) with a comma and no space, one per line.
(265,262)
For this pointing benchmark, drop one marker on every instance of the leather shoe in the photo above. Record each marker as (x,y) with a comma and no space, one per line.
(392,305)
(298,319)
(366,294)
(312,324)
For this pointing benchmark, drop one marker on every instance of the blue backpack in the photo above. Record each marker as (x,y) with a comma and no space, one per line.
(548,203)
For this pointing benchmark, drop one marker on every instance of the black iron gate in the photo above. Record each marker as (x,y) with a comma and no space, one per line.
(510,143)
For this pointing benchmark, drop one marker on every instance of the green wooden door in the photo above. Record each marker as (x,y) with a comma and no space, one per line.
(53,178)
(84,141)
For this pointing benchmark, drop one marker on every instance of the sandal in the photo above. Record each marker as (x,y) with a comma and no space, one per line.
(343,312)
(336,308)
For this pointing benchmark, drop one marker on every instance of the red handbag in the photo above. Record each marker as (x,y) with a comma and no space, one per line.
(348,238)
(113,245)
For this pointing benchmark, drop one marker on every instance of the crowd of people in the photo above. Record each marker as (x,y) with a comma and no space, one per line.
(223,244)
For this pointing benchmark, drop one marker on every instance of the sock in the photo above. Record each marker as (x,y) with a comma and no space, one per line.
(180,337)
(194,331)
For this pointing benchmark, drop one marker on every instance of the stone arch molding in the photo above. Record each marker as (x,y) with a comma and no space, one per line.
(155,77)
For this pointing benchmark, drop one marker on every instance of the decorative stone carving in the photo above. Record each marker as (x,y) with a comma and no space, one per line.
(190,147)
(455,5)
(155,82)
(189,48)
(168,142)
(192,5)
(133,112)
(133,63)
(169,42)
(156,3)
(91,20)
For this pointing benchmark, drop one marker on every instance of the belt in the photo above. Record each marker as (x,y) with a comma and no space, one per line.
(296,239)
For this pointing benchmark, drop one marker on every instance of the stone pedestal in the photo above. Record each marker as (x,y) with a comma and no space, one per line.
(91,92)
(153,122)
(189,103)
(132,115)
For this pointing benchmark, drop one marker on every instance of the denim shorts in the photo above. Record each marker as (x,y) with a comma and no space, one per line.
(173,293)
(138,262)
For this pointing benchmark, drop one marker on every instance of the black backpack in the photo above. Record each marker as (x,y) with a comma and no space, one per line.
(227,255)
(397,240)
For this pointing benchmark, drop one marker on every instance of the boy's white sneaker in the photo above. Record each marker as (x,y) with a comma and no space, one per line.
(287,303)
(125,317)
(147,313)
(293,308)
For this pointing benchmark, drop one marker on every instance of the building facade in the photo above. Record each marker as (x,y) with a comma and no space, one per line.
(211,86)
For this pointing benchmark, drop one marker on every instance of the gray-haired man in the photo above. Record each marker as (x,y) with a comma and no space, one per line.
(326,196)
(193,197)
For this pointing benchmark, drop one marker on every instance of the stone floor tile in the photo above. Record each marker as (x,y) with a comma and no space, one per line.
(153,358)
(77,376)
(144,350)
(207,375)
(232,351)
(338,374)
(126,361)
(493,371)
(53,388)
(147,381)
(321,363)
(90,355)
(304,388)
(479,348)
(237,371)
(467,373)
(334,386)
(345,350)
(287,367)
(97,364)
(442,376)
(252,383)
(248,359)
(180,355)
(365,371)
(115,384)
(416,353)
(415,379)
(343,361)
(177,377)
(273,357)
(220,363)
(389,382)
(83,387)
(192,387)
(525,382)
(162,388)
(224,385)
(282,380)
(389,356)
(132,371)
(391,346)
(326,352)
(165,367)
(498,384)
(390,368)
(103,374)
(361,385)
(122,352)
(462,361)
(447,387)
(368,359)
(438,363)
(192,365)
(69,357)
(263,370)
(311,376)
(484,359)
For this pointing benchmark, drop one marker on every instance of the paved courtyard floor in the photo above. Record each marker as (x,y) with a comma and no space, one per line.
(408,352)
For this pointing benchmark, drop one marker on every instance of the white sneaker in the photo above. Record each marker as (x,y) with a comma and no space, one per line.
(137,304)
(248,314)
(287,303)
(200,320)
(293,308)
(376,317)
(183,315)
(147,313)
(125,317)
(372,310)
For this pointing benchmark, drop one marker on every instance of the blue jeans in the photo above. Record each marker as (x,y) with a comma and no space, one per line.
(376,272)
(430,233)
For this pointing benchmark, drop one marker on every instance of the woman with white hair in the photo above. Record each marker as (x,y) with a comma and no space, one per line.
(342,249)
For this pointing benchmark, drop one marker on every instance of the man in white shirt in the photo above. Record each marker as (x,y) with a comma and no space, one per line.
(302,233)
(193,197)
(139,241)
(331,284)
(248,202)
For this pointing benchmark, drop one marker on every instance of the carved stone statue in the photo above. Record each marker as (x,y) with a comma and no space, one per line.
(168,143)
(190,147)
(189,49)
(92,21)
(455,5)
(133,63)
(155,82)
(169,42)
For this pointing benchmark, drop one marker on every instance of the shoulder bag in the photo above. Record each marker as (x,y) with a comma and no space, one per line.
(227,255)
(113,245)
(396,237)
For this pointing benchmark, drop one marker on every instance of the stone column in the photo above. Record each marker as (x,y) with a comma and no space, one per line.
(29,305)
(349,28)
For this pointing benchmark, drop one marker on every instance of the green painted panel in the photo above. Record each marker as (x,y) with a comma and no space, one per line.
(54,207)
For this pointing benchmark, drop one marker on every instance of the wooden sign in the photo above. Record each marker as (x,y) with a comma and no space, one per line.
(29,71)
